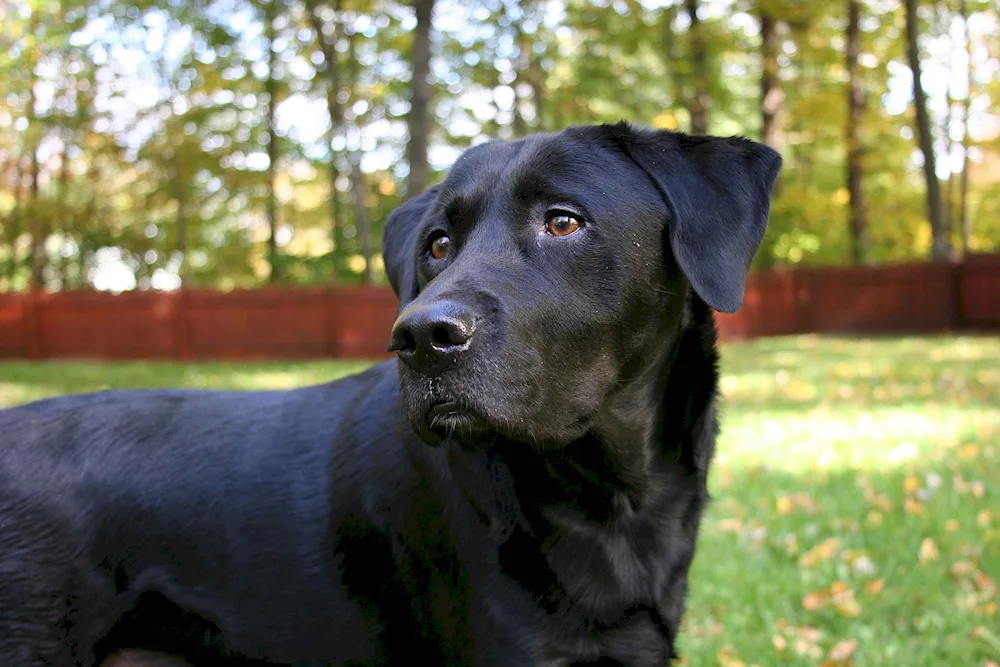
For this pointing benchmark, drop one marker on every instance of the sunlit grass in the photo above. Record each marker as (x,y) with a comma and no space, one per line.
(856,510)
(855,506)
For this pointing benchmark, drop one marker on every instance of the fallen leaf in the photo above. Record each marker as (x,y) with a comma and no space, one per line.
(846,604)
(728,657)
(912,506)
(843,650)
(815,600)
(823,551)
(928,550)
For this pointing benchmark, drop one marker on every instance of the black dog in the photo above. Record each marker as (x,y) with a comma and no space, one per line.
(557,362)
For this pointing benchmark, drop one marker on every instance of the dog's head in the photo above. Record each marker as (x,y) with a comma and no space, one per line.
(538,276)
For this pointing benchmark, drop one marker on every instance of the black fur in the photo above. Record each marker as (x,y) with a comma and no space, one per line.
(552,521)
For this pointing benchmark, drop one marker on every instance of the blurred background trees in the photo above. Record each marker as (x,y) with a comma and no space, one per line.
(235,143)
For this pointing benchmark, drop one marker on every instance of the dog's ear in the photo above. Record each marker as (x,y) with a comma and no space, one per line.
(399,244)
(718,191)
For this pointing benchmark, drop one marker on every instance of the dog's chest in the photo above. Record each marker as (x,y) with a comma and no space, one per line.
(591,593)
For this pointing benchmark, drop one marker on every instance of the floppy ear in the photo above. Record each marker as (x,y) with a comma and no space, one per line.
(718,191)
(399,241)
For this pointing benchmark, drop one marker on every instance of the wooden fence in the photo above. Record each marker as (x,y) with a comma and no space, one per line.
(343,322)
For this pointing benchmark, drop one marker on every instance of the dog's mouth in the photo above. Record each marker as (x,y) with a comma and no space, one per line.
(450,419)
(458,422)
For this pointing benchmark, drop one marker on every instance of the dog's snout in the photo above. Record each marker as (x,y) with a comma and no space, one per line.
(430,337)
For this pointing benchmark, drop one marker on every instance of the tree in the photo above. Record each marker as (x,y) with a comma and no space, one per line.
(699,57)
(855,108)
(419,118)
(964,220)
(939,244)
(271,89)
(327,41)
(772,98)
(359,187)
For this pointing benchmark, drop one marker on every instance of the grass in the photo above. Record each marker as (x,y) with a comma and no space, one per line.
(856,511)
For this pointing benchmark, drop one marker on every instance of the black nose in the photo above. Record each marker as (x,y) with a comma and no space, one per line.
(428,338)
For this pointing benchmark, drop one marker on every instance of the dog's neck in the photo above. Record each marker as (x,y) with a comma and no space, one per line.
(642,433)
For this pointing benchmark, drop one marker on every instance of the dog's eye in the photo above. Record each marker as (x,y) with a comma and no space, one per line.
(561,224)
(440,246)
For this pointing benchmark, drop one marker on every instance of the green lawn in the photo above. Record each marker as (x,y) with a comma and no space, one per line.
(856,512)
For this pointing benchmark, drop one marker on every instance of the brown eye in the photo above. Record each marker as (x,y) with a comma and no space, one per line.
(561,224)
(440,247)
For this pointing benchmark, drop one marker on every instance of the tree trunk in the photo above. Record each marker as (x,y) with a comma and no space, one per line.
(533,73)
(855,109)
(65,212)
(16,227)
(419,119)
(180,196)
(358,187)
(964,220)
(523,44)
(772,97)
(939,245)
(271,87)
(674,56)
(361,215)
(86,248)
(336,112)
(699,58)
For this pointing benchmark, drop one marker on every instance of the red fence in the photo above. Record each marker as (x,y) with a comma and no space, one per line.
(198,324)
(907,298)
(355,322)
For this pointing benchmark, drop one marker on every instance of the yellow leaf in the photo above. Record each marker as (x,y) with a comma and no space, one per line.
(780,643)
(845,603)
(911,484)
(961,568)
(987,585)
(913,506)
(728,658)
(665,121)
(784,505)
(823,551)
(875,587)
(968,451)
(791,544)
(843,650)
(733,525)
(928,550)
(841,196)
(815,600)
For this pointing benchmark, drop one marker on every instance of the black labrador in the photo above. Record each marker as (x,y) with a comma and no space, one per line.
(522,486)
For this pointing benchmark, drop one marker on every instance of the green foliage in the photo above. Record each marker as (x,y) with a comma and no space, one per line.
(149,121)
